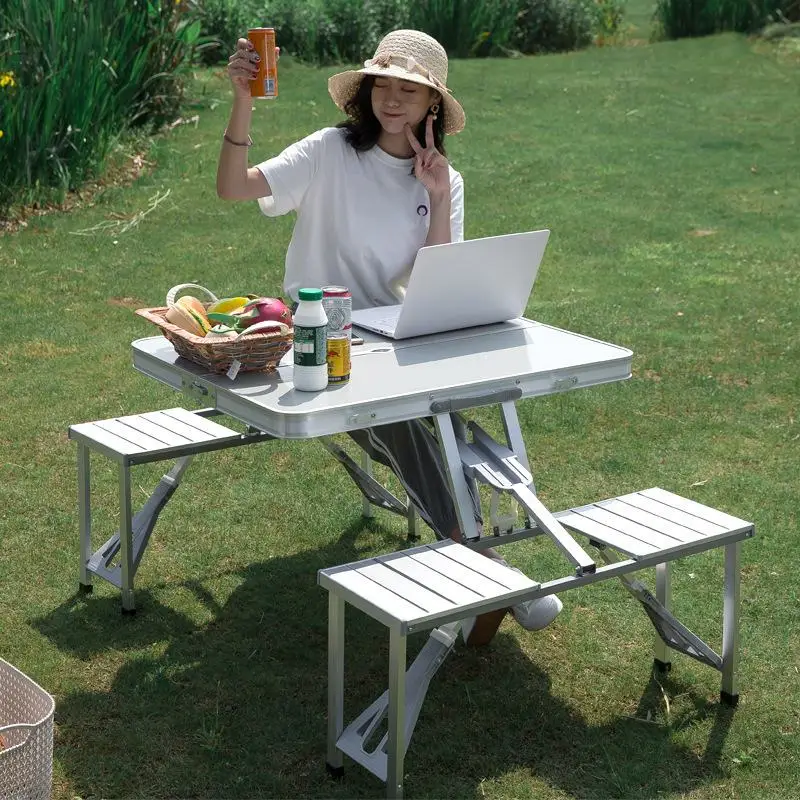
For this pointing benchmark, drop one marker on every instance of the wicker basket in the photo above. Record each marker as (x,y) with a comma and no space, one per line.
(26,728)
(256,352)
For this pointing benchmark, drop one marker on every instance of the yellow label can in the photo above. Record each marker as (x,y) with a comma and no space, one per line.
(339,358)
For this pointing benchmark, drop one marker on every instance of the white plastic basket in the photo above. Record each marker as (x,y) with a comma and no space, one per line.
(26,725)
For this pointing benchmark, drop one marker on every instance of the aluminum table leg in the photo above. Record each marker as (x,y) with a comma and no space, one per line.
(396,746)
(85,517)
(664,596)
(335,759)
(730,625)
(126,539)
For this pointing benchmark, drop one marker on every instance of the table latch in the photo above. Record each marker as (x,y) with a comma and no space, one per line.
(197,391)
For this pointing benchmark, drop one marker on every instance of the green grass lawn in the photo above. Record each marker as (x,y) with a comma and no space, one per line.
(668,177)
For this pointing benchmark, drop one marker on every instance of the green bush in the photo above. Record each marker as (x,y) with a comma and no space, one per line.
(77,73)
(331,31)
(334,31)
(608,17)
(551,26)
(683,18)
(223,22)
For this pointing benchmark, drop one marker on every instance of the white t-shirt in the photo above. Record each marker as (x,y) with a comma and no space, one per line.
(361,216)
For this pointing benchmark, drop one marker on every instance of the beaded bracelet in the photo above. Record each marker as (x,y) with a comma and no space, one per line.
(237,144)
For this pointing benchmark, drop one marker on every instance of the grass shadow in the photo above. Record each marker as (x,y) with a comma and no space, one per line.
(236,708)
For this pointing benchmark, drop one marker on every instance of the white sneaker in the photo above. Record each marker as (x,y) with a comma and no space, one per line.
(533,615)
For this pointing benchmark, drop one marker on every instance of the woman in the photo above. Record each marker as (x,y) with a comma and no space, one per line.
(368,194)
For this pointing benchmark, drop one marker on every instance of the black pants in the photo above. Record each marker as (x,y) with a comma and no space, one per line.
(411,451)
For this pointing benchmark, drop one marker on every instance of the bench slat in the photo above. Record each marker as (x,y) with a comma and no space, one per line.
(192,433)
(140,422)
(141,440)
(113,443)
(388,602)
(435,581)
(464,575)
(697,509)
(489,567)
(405,588)
(673,514)
(647,536)
(581,521)
(201,423)
(648,520)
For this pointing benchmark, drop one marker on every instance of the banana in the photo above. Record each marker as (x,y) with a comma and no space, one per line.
(227,305)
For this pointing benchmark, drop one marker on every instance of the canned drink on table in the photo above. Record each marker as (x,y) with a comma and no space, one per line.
(338,304)
(265,84)
(338,358)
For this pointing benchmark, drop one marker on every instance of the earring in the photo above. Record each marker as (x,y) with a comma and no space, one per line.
(435,111)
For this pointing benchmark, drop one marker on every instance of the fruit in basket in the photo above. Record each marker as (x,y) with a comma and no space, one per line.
(222,331)
(265,309)
(185,315)
(227,305)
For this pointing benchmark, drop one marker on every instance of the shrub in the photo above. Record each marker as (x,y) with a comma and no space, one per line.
(466,27)
(684,18)
(78,73)
(608,16)
(334,31)
(551,26)
(223,22)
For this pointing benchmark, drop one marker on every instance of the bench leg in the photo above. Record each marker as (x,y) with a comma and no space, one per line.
(126,539)
(661,659)
(730,625)
(335,760)
(397,707)
(84,517)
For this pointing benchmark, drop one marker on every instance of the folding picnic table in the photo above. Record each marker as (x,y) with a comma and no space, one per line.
(439,586)
(429,376)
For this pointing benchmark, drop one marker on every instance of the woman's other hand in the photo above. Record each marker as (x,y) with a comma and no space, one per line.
(431,168)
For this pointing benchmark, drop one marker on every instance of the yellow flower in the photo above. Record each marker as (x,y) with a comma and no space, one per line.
(7,79)
(1,134)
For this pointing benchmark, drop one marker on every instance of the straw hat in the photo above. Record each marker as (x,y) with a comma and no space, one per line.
(411,56)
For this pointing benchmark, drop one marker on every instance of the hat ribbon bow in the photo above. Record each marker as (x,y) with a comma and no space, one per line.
(410,64)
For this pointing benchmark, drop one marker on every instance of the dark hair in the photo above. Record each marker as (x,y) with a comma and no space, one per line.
(362,129)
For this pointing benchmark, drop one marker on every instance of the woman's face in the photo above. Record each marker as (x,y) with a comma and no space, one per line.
(397,103)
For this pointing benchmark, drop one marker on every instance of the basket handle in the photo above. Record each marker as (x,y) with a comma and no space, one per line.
(18,726)
(175,291)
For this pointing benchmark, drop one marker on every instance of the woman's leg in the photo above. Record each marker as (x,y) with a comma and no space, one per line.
(411,451)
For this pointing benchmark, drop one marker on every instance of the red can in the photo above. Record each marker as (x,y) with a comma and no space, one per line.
(338,304)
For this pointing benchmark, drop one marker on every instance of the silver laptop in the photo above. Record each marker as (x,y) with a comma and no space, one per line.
(459,285)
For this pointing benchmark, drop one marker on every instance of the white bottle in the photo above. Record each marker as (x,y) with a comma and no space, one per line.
(310,342)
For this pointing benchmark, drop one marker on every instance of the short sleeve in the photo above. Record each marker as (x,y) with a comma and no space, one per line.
(290,174)
(456,207)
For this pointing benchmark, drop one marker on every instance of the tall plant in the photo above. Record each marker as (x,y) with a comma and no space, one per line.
(683,18)
(467,28)
(80,72)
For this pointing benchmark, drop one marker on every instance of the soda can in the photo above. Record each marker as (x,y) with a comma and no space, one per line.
(338,305)
(338,358)
(265,84)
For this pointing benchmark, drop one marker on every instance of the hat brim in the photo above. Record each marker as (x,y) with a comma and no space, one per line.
(343,86)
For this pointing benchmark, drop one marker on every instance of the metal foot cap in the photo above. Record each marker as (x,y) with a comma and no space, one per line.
(730,700)
(334,772)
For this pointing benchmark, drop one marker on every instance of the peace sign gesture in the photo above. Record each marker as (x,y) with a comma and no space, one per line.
(431,168)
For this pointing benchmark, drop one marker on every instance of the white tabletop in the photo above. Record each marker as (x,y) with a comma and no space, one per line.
(393,381)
